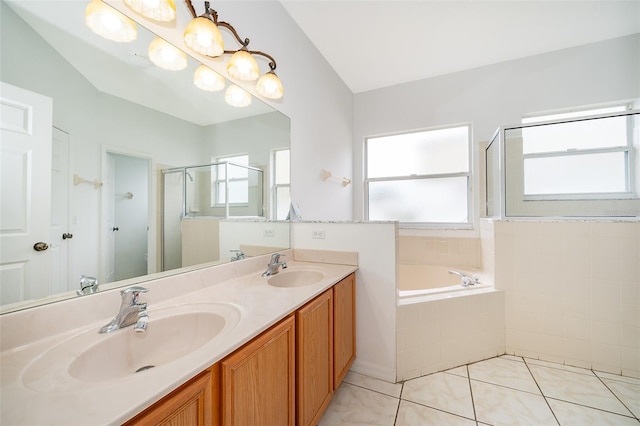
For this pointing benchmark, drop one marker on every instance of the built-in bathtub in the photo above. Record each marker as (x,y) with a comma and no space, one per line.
(417,283)
(442,324)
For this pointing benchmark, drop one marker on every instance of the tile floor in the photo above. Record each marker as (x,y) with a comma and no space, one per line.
(506,390)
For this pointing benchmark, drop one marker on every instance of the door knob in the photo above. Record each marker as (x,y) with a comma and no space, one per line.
(115,228)
(40,246)
(67,235)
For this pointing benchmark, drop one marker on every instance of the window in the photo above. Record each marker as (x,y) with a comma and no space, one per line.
(281,183)
(579,159)
(420,177)
(238,177)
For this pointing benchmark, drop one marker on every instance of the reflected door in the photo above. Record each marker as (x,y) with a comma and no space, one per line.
(25,193)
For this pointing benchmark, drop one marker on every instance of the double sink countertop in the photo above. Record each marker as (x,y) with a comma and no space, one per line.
(56,369)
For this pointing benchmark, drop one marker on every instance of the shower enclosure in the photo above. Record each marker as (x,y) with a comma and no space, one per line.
(196,198)
(573,167)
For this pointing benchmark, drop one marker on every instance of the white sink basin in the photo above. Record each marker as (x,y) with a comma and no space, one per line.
(172,333)
(297,276)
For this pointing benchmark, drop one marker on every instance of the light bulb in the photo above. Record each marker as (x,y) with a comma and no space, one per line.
(203,36)
(109,23)
(237,97)
(270,86)
(207,79)
(167,56)
(158,10)
(243,66)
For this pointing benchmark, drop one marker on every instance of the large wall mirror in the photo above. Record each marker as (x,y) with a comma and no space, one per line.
(133,191)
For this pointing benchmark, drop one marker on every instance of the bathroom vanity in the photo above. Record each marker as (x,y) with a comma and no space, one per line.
(236,348)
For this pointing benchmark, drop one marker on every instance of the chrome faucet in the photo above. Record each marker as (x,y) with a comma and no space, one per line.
(274,265)
(465,280)
(88,285)
(131,312)
(239,255)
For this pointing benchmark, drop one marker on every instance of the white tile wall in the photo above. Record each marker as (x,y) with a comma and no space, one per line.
(441,334)
(572,291)
(445,251)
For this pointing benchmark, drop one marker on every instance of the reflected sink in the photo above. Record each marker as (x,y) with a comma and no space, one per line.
(297,277)
(172,333)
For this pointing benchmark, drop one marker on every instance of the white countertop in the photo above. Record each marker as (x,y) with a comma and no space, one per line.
(63,400)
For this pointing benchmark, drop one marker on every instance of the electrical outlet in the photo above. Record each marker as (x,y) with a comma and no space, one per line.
(269,232)
(318,234)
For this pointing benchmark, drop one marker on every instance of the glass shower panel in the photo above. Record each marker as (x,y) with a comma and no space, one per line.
(172,211)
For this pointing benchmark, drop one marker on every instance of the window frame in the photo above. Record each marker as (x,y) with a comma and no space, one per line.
(569,116)
(216,182)
(277,186)
(466,225)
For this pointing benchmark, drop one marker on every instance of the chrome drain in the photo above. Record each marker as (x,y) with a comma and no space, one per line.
(146,367)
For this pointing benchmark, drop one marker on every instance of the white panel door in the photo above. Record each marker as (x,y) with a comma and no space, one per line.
(25,193)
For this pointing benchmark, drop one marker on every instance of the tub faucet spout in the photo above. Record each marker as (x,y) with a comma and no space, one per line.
(465,280)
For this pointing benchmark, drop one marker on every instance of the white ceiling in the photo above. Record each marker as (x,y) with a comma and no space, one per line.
(374,44)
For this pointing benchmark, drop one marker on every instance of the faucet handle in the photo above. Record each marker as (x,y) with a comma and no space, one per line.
(134,292)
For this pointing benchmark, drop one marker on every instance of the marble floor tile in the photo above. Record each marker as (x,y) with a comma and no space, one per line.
(576,387)
(504,372)
(511,357)
(458,371)
(617,377)
(559,366)
(628,393)
(411,414)
(352,405)
(569,414)
(505,406)
(446,392)
(391,389)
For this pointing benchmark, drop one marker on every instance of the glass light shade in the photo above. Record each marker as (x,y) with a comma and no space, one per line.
(109,23)
(270,86)
(237,97)
(243,66)
(203,36)
(167,56)
(159,10)
(207,79)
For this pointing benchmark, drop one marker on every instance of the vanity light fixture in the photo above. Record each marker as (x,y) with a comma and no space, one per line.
(167,56)
(243,66)
(207,79)
(237,97)
(158,10)
(109,23)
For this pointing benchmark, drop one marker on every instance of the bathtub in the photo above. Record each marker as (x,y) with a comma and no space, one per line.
(440,324)
(418,283)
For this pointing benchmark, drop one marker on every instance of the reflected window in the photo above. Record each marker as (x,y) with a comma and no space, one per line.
(231,171)
(282,183)
(420,177)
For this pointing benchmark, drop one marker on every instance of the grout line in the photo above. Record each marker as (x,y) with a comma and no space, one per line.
(373,390)
(395,420)
(541,392)
(616,396)
(473,403)
(438,409)
(631,416)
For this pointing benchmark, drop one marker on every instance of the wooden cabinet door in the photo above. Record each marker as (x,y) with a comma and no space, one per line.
(258,380)
(190,405)
(314,343)
(344,328)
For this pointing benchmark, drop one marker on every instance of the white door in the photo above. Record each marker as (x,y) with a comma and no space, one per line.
(61,235)
(26,120)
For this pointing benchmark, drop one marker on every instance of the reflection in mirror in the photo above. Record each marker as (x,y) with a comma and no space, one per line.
(118,121)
